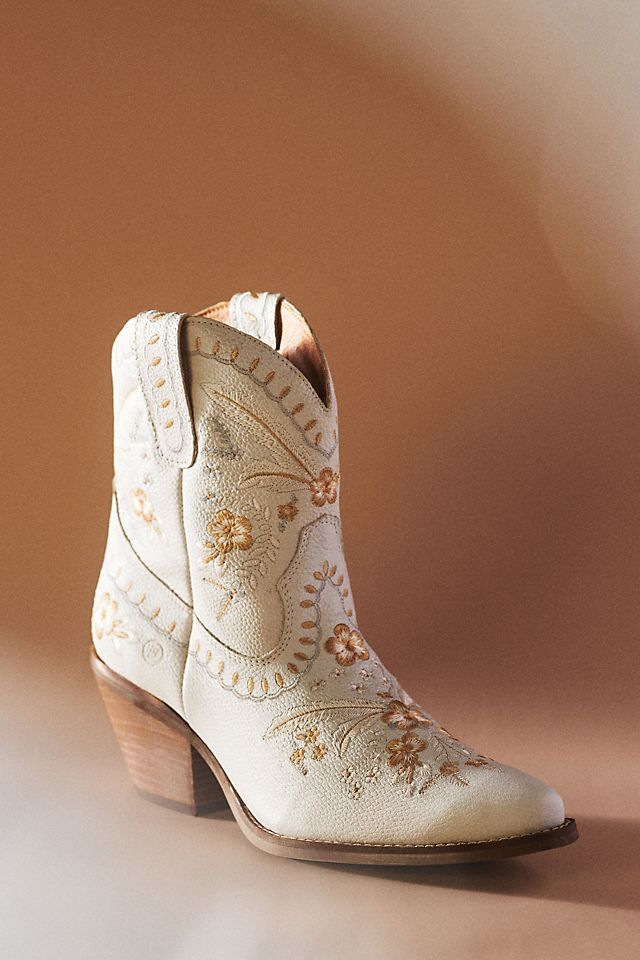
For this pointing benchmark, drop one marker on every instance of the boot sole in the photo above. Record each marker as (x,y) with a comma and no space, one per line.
(170,765)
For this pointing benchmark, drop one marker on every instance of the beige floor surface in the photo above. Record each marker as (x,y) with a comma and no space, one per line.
(92,871)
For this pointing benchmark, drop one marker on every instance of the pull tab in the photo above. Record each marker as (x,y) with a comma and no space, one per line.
(157,340)
(257,315)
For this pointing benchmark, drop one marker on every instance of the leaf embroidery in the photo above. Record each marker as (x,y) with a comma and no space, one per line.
(320,711)
(293,473)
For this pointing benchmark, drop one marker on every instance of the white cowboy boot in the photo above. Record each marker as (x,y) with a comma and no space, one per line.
(227,646)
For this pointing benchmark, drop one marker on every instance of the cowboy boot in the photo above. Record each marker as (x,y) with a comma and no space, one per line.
(226,644)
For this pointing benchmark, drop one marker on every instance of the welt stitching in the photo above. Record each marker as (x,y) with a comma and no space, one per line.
(420,846)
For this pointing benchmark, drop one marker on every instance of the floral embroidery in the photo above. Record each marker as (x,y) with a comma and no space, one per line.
(241,548)
(403,716)
(324,489)
(287,512)
(292,472)
(418,761)
(310,748)
(228,532)
(346,645)
(107,623)
(403,754)
(309,736)
(142,507)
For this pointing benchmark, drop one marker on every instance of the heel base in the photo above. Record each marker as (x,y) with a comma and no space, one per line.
(163,765)
(201,810)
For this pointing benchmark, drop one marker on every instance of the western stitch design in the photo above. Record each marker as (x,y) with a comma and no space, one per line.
(253,370)
(266,677)
(158,360)
(284,470)
(109,622)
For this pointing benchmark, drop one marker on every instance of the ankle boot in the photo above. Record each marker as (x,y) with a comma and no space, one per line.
(226,644)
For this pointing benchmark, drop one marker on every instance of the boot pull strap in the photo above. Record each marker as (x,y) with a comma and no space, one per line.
(157,341)
(257,314)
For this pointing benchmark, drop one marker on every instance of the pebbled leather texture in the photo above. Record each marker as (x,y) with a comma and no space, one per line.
(318,738)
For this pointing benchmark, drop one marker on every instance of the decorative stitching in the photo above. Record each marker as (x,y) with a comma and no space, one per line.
(417,846)
(124,591)
(323,486)
(160,378)
(275,396)
(285,676)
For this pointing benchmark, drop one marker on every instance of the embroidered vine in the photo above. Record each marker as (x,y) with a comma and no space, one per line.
(307,428)
(419,755)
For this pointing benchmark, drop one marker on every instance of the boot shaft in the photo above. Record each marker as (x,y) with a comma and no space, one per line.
(226,490)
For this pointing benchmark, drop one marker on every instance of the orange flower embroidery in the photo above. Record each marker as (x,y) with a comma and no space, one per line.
(404,716)
(324,489)
(476,762)
(228,532)
(403,754)
(346,645)
(287,511)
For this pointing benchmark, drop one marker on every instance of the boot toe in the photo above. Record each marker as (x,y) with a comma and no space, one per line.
(505,802)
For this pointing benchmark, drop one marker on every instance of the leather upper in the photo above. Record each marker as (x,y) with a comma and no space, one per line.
(240,614)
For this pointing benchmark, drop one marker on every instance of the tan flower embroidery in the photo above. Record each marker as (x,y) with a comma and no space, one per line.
(308,736)
(476,762)
(107,621)
(142,507)
(324,489)
(403,754)
(228,532)
(287,511)
(346,645)
(404,716)
(309,740)
(449,768)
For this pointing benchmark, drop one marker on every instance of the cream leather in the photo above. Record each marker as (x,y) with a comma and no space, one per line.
(225,593)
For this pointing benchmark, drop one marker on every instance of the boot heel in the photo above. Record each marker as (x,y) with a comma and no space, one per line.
(162,764)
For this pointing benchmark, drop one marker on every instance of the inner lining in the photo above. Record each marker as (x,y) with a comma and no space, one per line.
(295,341)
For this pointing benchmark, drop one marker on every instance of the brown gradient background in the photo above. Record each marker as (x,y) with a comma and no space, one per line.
(449,192)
